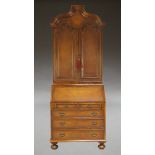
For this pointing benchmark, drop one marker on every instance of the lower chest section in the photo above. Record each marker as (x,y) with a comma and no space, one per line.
(78,114)
(78,124)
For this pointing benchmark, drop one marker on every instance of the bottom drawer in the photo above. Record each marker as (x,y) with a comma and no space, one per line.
(78,135)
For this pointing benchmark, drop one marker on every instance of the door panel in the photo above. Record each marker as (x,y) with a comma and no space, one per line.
(65,55)
(91,55)
(69,46)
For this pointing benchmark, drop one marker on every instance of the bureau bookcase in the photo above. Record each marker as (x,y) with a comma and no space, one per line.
(77,92)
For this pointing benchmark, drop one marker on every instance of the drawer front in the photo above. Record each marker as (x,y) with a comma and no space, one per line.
(65,106)
(89,106)
(74,123)
(68,106)
(78,135)
(77,113)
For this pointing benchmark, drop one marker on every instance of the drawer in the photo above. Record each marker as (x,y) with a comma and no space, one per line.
(78,135)
(68,106)
(78,123)
(65,106)
(89,106)
(78,113)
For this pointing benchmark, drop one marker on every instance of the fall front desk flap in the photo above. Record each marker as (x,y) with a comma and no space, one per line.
(79,93)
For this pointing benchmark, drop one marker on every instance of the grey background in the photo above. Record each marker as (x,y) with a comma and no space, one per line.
(110,11)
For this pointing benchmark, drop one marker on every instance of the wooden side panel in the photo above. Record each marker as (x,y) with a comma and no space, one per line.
(65,40)
(91,55)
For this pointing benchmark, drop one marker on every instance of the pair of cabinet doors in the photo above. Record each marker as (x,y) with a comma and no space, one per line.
(77,54)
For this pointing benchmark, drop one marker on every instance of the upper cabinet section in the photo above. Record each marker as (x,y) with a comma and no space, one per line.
(77,46)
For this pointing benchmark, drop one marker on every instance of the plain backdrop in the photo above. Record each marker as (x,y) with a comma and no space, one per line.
(110,12)
(17,84)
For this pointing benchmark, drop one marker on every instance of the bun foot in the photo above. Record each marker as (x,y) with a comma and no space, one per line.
(54,146)
(101,146)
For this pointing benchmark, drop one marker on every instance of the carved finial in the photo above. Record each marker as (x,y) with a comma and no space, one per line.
(77,8)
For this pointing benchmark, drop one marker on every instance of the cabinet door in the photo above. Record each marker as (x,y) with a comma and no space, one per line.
(91,55)
(64,54)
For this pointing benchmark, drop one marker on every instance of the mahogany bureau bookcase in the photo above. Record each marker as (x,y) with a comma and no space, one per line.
(77,93)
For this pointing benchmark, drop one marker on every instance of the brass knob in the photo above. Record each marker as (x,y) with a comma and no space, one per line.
(94,134)
(93,113)
(62,114)
(62,135)
(94,123)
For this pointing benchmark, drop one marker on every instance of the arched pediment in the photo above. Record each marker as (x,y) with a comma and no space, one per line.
(77,17)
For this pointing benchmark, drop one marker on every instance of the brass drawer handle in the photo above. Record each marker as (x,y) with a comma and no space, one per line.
(62,114)
(62,135)
(94,123)
(94,135)
(93,113)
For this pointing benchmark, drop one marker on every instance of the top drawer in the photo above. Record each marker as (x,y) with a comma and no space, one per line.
(77,106)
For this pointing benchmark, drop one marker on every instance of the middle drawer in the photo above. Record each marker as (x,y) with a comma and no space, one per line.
(78,123)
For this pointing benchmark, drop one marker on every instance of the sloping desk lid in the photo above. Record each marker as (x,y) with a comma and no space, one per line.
(78,93)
